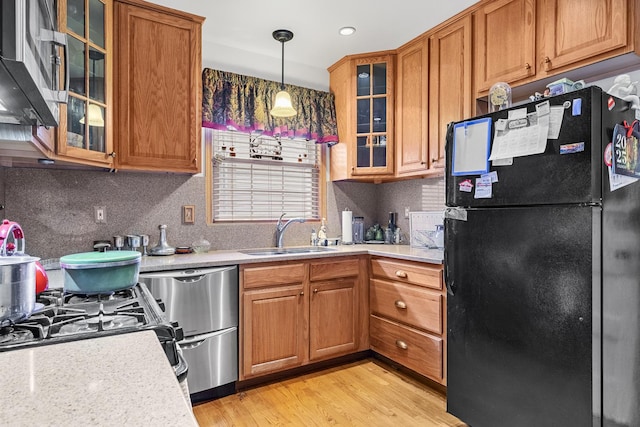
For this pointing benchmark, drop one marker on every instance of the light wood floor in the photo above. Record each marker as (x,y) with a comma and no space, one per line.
(363,393)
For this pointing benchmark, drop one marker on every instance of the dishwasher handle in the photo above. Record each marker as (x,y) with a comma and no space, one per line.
(191,344)
(197,340)
(190,279)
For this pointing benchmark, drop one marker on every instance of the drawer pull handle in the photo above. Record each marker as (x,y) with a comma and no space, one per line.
(401,304)
(401,344)
(401,274)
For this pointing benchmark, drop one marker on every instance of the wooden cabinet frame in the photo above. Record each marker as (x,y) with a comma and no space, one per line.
(298,312)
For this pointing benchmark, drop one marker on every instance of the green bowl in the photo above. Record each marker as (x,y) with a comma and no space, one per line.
(100,272)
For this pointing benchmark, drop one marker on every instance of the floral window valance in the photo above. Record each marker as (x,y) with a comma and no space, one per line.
(236,102)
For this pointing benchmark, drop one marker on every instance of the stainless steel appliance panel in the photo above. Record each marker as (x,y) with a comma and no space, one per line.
(201,300)
(29,63)
(212,359)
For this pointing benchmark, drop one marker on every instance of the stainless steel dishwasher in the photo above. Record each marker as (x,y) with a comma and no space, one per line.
(204,302)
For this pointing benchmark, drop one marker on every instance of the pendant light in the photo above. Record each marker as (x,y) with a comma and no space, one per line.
(282,106)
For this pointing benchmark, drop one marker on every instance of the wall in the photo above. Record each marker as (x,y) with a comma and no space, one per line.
(55,208)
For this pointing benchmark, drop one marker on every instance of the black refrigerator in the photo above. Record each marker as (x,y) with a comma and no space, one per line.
(543,276)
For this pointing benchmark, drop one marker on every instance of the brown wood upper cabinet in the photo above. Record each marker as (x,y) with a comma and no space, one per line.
(433,89)
(363,86)
(412,108)
(157,88)
(450,76)
(577,30)
(85,132)
(520,41)
(505,42)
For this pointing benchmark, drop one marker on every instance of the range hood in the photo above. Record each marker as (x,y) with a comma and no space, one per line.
(30,63)
(19,147)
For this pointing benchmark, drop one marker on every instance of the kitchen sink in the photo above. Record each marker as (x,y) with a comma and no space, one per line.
(284,251)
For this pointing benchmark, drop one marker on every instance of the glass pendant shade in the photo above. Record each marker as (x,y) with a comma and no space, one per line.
(282,106)
(95,116)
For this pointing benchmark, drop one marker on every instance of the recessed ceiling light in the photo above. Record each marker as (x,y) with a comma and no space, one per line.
(347,31)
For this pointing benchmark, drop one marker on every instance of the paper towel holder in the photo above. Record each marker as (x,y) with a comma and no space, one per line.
(347,227)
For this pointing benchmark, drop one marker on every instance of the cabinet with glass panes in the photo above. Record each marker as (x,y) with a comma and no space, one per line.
(84,133)
(373,151)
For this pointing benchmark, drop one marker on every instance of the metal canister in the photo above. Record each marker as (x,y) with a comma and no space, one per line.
(118,242)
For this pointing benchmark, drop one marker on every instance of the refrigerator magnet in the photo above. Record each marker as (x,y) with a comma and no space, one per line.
(471,146)
(607,155)
(576,147)
(483,188)
(493,176)
(466,186)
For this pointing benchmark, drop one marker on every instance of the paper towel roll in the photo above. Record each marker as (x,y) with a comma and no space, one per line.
(347,233)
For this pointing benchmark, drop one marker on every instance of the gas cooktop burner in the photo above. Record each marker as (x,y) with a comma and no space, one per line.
(63,317)
(100,323)
(11,335)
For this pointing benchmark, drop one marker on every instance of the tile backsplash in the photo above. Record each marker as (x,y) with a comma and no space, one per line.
(56,208)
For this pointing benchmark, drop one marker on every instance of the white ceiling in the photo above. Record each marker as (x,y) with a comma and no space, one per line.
(237,33)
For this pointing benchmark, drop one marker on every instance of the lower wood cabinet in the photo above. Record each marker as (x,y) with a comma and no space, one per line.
(408,315)
(273,332)
(417,350)
(295,313)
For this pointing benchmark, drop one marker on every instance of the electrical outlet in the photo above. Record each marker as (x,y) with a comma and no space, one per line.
(407,209)
(100,214)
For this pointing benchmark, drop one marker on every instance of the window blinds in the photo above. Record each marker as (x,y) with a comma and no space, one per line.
(258,178)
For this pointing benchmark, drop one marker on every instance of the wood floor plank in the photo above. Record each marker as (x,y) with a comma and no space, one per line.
(366,393)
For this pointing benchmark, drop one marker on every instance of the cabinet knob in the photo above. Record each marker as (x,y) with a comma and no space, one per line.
(423,163)
(401,304)
(112,154)
(527,66)
(547,63)
(547,60)
(401,274)
(301,292)
(315,291)
(401,344)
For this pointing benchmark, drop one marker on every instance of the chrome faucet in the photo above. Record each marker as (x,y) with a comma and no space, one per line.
(281,227)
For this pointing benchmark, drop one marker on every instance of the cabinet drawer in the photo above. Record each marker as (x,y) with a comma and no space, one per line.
(412,305)
(334,269)
(256,277)
(416,350)
(408,272)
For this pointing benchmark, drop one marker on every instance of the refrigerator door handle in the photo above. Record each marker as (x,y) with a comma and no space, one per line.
(450,286)
(459,214)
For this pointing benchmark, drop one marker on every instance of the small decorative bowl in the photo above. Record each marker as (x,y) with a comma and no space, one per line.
(201,246)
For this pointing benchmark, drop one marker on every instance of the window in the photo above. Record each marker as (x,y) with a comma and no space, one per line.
(258,178)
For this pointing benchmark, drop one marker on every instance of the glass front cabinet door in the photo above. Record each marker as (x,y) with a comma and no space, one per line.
(373,153)
(84,133)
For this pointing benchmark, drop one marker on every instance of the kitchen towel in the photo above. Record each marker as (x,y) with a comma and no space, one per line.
(347,234)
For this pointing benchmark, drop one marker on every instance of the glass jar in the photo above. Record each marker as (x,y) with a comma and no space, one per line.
(358,229)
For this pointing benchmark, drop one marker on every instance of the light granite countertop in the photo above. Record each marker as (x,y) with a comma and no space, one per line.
(119,380)
(218,258)
(74,384)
